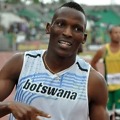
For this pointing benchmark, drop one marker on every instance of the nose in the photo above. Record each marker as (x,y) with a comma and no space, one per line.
(67,31)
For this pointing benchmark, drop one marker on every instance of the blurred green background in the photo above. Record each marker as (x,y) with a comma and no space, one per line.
(23,22)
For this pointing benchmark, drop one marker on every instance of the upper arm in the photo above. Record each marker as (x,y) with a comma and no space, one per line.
(98,96)
(9,75)
(98,55)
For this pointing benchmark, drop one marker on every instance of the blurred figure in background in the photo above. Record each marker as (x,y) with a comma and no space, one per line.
(110,53)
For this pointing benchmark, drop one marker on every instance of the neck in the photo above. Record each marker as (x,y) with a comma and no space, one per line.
(56,64)
(46,64)
(114,47)
(115,44)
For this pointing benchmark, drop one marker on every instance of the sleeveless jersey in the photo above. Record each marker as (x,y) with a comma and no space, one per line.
(112,68)
(63,95)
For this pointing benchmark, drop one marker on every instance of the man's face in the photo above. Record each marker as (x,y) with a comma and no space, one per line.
(67,31)
(115,34)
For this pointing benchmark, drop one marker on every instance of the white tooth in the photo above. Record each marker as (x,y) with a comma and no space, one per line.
(65,43)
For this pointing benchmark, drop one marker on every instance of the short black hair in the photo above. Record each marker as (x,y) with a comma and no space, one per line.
(74,5)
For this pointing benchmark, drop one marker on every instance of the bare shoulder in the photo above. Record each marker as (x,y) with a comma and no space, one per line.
(98,96)
(15,60)
(97,87)
(9,74)
(12,67)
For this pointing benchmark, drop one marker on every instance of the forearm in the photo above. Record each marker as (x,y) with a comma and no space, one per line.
(4,110)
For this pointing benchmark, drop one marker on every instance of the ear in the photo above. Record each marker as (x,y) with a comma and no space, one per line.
(85,38)
(48,28)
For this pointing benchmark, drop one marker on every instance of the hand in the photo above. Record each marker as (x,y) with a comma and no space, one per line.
(25,112)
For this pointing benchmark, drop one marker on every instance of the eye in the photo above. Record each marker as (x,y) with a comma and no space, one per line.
(60,23)
(78,29)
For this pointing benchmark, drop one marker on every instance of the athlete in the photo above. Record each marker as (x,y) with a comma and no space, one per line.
(110,53)
(55,84)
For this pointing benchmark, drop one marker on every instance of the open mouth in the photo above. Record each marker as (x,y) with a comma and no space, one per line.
(65,43)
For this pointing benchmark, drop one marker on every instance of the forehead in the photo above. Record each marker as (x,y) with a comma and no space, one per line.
(114,29)
(117,28)
(71,14)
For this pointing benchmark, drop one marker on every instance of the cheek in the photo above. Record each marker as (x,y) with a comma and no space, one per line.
(79,38)
(55,34)
(56,31)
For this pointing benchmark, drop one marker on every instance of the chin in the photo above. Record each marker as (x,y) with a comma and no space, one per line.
(64,53)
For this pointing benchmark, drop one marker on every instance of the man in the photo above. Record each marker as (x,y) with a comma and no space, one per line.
(110,53)
(55,83)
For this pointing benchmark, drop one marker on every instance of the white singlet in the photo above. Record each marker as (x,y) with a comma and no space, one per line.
(63,95)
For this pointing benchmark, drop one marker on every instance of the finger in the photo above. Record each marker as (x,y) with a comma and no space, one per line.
(43,114)
(37,118)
